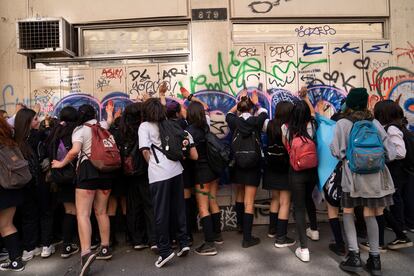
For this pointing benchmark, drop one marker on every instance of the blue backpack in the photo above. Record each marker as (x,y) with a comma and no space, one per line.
(365,152)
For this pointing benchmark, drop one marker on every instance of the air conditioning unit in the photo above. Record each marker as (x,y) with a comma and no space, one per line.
(47,37)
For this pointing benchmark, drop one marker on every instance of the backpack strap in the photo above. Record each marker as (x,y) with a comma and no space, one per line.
(153,148)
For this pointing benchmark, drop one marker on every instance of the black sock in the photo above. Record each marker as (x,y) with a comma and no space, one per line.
(216,222)
(207,224)
(381,228)
(12,244)
(336,230)
(68,228)
(188,212)
(239,213)
(112,221)
(247,226)
(95,230)
(281,228)
(273,218)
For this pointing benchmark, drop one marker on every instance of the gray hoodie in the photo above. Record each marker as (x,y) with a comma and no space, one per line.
(374,185)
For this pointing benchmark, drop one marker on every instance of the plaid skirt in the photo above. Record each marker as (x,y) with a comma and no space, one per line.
(351,202)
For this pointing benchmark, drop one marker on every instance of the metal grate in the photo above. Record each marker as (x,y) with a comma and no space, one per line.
(39,35)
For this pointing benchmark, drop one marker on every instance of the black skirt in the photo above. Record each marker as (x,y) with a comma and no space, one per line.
(249,177)
(188,174)
(89,178)
(275,179)
(10,198)
(203,173)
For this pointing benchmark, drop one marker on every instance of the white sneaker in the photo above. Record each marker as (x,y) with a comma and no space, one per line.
(312,234)
(47,251)
(28,255)
(302,254)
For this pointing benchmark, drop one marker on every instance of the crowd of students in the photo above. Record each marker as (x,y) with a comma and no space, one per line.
(154,183)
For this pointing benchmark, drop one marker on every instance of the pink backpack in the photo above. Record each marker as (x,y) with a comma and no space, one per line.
(302,153)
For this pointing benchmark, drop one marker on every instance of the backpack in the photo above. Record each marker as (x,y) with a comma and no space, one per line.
(133,161)
(332,188)
(173,141)
(218,153)
(105,155)
(365,152)
(302,153)
(246,150)
(277,156)
(64,175)
(409,146)
(14,169)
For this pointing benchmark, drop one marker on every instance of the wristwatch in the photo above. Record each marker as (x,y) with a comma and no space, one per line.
(190,97)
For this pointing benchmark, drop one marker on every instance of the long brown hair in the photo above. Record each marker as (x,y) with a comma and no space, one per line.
(6,134)
(22,127)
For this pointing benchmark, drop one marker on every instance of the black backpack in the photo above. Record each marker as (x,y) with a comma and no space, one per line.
(277,156)
(332,188)
(218,153)
(246,150)
(408,161)
(133,163)
(174,141)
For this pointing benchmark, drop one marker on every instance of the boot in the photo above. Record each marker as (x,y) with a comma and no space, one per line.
(352,263)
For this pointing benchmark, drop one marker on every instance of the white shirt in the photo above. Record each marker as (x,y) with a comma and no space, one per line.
(397,139)
(83,134)
(309,128)
(149,134)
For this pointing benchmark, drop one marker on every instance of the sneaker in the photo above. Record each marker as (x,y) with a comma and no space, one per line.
(218,239)
(28,255)
(338,249)
(271,233)
(162,261)
(312,234)
(154,248)
(4,255)
(47,251)
(95,245)
(284,242)
(104,253)
(86,262)
(69,250)
(303,254)
(411,229)
(206,249)
(365,246)
(16,265)
(183,251)
(374,265)
(400,243)
(140,246)
(352,263)
(252,242)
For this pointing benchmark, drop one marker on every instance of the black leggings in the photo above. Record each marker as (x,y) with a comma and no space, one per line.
(301,185)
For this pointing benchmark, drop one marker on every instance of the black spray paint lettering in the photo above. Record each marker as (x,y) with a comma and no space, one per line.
(274,82)
(138,74)
(264,6)
(173,72)
(334,77)
(247,52)
(45,93)
(315,31)
(288,50)
(380,48)
(102,82)
(362,64)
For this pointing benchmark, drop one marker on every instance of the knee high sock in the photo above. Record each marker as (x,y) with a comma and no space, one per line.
(247,226)
(69,226)
(239,213)
(350,232)
(207,224)
(273,219)
(216,222)
(188,213)
(336,230)
(112,222)
(373,235)
(281,228)
(13,246)
(381,228)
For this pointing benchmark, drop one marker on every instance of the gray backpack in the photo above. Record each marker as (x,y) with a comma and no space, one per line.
(14,169)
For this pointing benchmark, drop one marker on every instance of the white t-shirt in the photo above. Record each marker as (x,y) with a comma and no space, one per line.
(309,128)
(83,134)
(149,134)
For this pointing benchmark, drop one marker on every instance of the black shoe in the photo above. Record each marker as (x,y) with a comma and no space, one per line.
(183,251)
(352,263)
(4,255)
(104,253)
(338,249)
(69,250)
(239,229)
(218,239)
(271,233)
(86,262)
(252,242)
(400,243)
(374,265)
(140,246)
(163,260)
(174,244)
(16,265)
(206,249)
(284,242)
(95,245)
